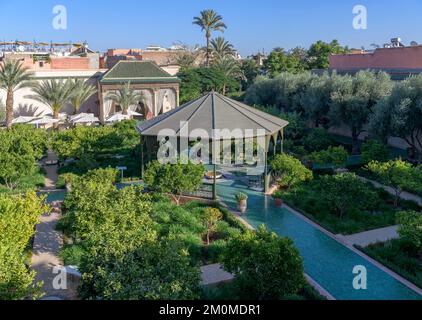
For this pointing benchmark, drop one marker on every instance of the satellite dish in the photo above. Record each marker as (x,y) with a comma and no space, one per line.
(21,48)
(414,43)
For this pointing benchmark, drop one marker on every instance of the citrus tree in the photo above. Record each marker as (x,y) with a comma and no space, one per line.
(345,192)
(410,229)
(335,156)
(396,174)
(20,148)
(174,179)
(265,266)
(289,171)
(18,217)
(211,218)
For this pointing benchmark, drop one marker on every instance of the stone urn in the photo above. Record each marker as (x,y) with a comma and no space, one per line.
(243,206)
(242,202)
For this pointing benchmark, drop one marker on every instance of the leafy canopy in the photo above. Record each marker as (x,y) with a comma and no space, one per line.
(174,179)
(335,156)
(18,218)
(266,267)
(345,192)
(397,174)
(289,171)
(410,228)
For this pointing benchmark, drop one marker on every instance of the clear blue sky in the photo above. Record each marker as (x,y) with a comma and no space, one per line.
(252,25)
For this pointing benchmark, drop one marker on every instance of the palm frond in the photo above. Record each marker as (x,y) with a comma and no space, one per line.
(125,97)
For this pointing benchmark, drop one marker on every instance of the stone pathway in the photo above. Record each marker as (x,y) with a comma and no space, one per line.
(48,241)
(405,195)
(214,274)
(367,238)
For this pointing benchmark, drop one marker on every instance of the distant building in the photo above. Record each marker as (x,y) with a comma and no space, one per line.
(160,89)
(164,58)
(52,61)
(259,58)
(141,68)
(396,59)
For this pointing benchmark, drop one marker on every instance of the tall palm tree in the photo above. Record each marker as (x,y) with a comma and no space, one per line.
(13,76)
(125,98)
(2,111)
(221,48)
(209,21)
(81,92)
(54,93)
(230,68)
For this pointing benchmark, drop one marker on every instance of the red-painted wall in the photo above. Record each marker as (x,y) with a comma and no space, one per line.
(388,58)
(70,63)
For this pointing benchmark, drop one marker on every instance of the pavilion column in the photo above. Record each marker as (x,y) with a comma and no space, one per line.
(275,138)
(266,173)
(177,97)
(215,154)
(101,105)
(142,158)
(281,141)
(155,102)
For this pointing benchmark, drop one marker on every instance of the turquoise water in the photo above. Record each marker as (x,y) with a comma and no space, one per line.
(327,261)
(54,195)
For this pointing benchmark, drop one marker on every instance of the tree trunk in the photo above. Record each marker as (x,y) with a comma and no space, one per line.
(207,57)
(224,89)
(208,238)
(355,141)
(56,116)
(176,199)
(9,109)
(397,198)
(125,111)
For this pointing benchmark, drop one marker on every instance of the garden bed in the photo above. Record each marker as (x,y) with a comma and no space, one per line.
(308,198)
(392,255)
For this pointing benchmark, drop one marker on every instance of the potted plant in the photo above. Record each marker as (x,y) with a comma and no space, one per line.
(278,198)
(242,202)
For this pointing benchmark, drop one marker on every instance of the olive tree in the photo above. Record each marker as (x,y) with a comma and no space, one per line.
(353,99)
(317,98)
(400,114)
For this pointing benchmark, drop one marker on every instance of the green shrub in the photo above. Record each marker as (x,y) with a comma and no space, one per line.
(289,171)
(374,150)
(334,156)
(265,266)
(393,254)
(215,251)
(317,139)
(410,229)
(72,255)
